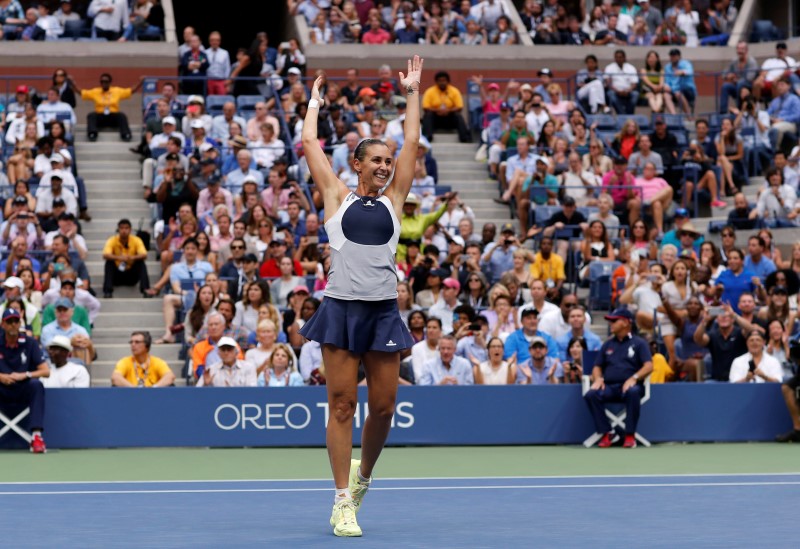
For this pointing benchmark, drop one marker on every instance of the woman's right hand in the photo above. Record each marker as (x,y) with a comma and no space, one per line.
(315,89)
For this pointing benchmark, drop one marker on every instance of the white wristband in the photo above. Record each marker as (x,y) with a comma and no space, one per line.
(313,104)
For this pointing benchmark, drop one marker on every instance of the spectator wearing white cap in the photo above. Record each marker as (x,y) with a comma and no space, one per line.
(57,165)
(64,373)
(14,289)
(168,129)
(44,200)
(196,110)
(198,138)
(230,371)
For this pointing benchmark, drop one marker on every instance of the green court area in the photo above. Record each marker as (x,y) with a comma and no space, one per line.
(312,463)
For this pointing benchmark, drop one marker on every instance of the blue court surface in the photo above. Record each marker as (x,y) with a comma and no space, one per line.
(759,510)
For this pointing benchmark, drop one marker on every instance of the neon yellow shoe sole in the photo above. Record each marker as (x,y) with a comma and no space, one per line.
(343,520)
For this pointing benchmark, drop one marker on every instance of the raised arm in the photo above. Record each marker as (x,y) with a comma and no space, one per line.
(398,189)
(321,172)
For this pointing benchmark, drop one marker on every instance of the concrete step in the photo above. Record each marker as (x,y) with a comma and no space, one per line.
(147,320)
(89,154)
(104,227)
(129,164)
(121,305)
(106,334)
(107,137)
(111,173)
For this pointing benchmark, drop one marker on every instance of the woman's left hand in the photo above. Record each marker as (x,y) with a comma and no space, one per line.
(412,79)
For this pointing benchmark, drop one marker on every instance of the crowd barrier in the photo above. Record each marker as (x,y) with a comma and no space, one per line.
(113,417)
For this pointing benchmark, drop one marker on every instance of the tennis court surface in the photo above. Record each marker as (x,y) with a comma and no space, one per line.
(607,500)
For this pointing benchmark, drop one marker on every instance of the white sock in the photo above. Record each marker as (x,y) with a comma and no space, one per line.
(361,478)
(342,494)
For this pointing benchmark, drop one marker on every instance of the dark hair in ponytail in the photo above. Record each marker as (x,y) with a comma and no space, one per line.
(361,149)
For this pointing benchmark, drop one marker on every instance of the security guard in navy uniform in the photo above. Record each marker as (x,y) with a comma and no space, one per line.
(22,363)
(623,363)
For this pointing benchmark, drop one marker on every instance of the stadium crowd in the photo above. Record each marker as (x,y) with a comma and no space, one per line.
(548,22)
(602,202)
(92,20)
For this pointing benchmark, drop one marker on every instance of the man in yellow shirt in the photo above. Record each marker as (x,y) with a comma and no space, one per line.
(442,105)
(125,257)
(549,268)
(106,106)
(141,369)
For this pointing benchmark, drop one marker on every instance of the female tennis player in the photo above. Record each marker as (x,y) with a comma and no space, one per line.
(358,320)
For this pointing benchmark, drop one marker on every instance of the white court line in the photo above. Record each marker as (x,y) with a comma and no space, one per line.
(408,488)
(410,479)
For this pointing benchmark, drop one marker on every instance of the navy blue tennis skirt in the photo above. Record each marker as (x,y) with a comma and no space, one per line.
(359,326)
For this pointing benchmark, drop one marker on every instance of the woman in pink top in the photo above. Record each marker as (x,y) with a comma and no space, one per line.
(491,97)
(375,34)
(656,194)
(558,108)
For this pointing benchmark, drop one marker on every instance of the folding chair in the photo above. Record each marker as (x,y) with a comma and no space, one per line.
(600,284)
(617,420)
(13,425)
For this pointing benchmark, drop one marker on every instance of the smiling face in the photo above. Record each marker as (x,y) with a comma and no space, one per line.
(375,169)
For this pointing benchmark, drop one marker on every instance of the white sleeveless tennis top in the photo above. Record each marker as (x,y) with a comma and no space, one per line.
(363,239)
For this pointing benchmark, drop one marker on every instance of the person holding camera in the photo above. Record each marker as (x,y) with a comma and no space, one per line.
(175,189)
(752,117)
(22,224)
(498,256)
(755,366)
(719,333)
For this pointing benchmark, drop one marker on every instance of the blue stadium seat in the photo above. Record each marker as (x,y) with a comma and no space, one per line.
(214,103)
(247,103)
(543,213)
(682,137)
(600,284)
(76,29)
(443,189)
(674,121)
(605,122)
(641,120)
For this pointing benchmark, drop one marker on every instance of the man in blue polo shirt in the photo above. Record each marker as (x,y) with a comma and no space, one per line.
(623,363)
(755,261)
(21,365)
(577,324)
(518,342)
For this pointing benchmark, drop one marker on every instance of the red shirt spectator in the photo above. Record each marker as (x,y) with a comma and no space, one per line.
(270,268)
(375,34)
